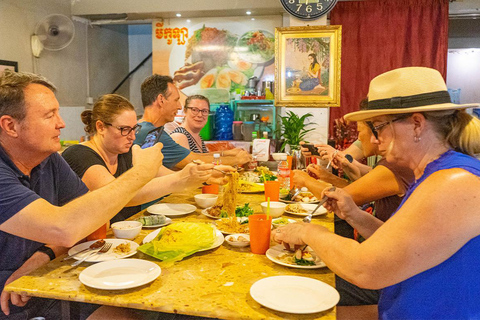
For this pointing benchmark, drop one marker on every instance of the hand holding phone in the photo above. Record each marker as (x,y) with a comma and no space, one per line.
(313,150)
(152,137)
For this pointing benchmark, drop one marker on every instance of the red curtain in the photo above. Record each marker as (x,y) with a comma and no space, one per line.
(381,35)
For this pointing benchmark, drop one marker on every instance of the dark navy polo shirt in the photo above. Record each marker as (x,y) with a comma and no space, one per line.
(52,180)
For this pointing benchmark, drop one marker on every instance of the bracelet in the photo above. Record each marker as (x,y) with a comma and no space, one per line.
(48,251)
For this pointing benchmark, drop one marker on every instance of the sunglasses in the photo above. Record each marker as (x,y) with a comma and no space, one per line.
(125,131)
(376,129)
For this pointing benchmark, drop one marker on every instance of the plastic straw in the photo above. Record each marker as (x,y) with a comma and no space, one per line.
(268,208)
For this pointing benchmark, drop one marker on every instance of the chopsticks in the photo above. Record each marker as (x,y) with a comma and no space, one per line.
(224,172)
(333,156)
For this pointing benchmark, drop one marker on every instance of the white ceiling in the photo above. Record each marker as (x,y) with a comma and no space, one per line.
(128,11)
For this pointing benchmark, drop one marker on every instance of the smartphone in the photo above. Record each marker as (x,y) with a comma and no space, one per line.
(313,150)
(152,137)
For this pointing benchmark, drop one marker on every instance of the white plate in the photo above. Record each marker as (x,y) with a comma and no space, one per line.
(110,255)
(310,208)
(217,243)
(117,275)
(274,252)
(171,209)
(292,294)
(289,202)
(205,213)
(167,222)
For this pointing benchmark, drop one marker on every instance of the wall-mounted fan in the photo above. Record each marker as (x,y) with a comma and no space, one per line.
(54,32)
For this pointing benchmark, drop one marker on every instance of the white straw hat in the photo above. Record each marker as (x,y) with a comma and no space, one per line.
(406,90)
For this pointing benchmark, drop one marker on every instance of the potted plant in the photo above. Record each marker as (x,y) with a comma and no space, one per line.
(293,130)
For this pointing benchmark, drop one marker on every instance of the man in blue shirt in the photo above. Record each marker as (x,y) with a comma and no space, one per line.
(161,101)
(38,188)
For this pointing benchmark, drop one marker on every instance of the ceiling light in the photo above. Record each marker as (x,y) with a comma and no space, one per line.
(248,12)
(179,15)
(188,20)
(253,19)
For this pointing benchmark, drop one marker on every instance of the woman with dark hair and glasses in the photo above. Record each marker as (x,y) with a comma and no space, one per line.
(187,135)
(111,125)
(425,257)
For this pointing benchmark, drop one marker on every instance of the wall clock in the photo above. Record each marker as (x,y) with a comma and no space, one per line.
(308,9)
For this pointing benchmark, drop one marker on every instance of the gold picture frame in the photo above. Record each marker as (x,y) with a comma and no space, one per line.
(308,66)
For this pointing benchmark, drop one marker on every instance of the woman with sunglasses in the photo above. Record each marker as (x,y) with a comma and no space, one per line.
(187,135)
(111,125)
(425,257)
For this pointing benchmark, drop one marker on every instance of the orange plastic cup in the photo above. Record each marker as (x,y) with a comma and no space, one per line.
(272,190)
(212,188)
(260,228)
(100,233)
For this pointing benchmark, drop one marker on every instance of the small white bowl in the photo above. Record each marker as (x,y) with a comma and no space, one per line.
(276,208)
(276,222)
(278,156)
(233,240)
(126,229)
(205,200)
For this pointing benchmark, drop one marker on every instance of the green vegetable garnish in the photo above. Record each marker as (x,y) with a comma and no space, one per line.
(303,262)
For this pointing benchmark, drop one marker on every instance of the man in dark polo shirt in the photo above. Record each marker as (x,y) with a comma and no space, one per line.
(42,201)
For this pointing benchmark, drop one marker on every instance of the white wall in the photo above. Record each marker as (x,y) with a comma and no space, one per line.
(463,72)
(139,47)
(321,116)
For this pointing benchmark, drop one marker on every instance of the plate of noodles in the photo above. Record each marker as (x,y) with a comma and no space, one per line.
(304,209)
(228,226)
(308,259)
(250,187)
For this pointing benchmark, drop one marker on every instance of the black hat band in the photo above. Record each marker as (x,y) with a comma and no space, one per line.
(418,100)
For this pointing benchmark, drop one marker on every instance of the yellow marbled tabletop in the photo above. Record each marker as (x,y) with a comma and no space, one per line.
(215,283)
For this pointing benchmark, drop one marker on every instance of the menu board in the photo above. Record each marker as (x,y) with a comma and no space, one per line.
(215,56)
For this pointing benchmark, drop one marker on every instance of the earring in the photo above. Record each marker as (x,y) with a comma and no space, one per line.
(416,139)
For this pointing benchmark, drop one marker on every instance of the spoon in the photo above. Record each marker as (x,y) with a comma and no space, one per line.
(96,245)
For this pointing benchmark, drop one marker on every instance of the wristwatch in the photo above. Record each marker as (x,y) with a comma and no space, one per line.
(48,251)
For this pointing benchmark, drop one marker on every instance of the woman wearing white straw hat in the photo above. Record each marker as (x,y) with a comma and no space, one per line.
(425,257)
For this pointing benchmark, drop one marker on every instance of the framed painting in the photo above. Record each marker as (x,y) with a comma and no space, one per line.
(5,64)
(307,66)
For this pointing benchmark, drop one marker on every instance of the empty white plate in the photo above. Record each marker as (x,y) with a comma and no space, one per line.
(292,294)
(120,274)
(171,209)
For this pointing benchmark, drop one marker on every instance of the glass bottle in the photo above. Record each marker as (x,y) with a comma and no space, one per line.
(283,173)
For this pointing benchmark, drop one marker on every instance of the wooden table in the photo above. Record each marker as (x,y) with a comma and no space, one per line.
(214,283)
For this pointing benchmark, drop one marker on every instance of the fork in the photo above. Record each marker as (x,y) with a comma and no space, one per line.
(103,249)
(308,218)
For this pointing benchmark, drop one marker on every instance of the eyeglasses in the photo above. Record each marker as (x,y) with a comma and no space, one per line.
(125,131)
(195,111)
(376,129)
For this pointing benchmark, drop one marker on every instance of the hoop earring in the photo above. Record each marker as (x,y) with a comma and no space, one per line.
(416,139)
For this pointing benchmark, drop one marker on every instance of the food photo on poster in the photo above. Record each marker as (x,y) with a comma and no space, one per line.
(218,58)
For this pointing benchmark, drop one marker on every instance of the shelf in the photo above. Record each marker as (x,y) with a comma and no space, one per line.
(253,101)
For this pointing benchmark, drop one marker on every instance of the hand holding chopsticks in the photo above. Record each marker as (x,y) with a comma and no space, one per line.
(333,157)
